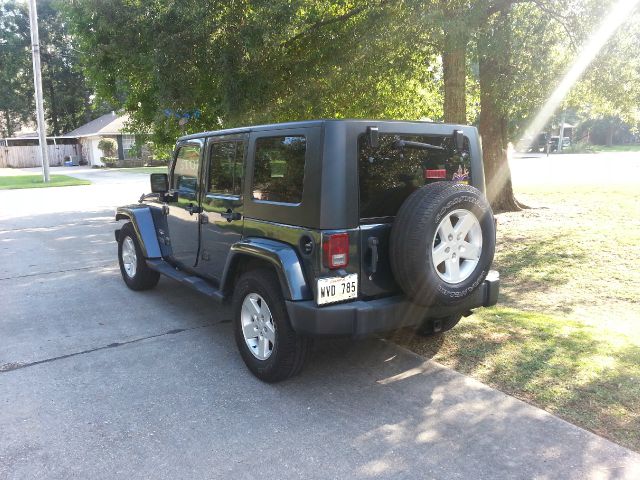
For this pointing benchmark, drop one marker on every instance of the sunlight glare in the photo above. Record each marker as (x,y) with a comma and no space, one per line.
(619,14)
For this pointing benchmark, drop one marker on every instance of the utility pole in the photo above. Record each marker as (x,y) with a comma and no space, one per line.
(37,82)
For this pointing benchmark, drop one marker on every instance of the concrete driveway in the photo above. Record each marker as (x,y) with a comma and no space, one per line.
(97,381)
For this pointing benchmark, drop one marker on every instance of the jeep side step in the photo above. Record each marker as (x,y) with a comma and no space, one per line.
(192,281)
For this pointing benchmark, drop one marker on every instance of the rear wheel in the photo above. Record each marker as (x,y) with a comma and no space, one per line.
(133,267)
(269,346)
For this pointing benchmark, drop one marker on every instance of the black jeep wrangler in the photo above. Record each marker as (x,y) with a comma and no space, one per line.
(328,227)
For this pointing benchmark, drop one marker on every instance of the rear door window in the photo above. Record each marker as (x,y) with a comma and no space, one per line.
(279,168)
(226,164)
(388,174)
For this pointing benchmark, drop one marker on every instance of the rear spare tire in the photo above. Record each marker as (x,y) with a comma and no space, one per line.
(442,243)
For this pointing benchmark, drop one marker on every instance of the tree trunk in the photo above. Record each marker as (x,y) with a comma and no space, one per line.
(610,130)
(7,117)
(455,76)
(493,127)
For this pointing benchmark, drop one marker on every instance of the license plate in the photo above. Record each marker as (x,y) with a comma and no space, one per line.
(337,289)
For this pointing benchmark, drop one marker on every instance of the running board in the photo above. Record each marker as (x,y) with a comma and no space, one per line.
(192,281)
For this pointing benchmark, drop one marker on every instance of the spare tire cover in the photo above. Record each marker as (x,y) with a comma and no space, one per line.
(442,243)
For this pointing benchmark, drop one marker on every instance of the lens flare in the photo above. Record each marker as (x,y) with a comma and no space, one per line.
(619,14)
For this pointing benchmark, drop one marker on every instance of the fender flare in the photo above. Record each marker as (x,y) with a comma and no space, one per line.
(280,255)
(142,220)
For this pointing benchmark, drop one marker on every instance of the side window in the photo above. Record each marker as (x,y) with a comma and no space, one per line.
(279,169)
(225,172)
(185,172)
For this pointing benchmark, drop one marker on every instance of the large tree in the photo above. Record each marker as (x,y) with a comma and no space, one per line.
(520,55)
(16,80)
(519,46)
(239,62)
(67,97)
(219,63)
(66,93)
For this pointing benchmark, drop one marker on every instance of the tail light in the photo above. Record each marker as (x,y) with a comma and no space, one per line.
(336,250)
(440,174)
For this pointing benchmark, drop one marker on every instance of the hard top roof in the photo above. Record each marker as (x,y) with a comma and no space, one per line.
(299,124)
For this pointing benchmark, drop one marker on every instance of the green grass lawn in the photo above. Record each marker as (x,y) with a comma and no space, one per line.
(617,148)
(565,335)
(35,181)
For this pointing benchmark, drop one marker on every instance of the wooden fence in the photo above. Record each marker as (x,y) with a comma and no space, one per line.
(29,156)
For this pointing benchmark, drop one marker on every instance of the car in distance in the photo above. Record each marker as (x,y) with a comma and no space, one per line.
(553,143)
(319,228)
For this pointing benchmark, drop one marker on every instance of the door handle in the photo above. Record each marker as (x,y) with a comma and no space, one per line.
(230,215)
(191,208)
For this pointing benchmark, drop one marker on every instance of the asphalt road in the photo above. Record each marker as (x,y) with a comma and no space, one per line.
(97,381)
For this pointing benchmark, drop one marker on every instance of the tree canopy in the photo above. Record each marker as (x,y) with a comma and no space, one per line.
(16,78)
(181,67)
(246,62)
(65,90)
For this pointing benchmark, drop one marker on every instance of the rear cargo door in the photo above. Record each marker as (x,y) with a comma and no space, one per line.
(388,174)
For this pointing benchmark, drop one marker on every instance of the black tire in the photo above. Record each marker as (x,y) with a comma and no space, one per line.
(413,237)
(142,278)
(289,350)
(435,326)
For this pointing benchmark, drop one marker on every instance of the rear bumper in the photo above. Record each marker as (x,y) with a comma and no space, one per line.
(368,316)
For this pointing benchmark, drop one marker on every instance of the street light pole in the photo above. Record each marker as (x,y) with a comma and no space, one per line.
(37,82)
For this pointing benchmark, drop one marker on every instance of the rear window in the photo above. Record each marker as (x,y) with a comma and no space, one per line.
(389,174)
(279,168)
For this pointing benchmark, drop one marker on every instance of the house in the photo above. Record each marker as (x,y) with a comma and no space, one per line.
(80,146)
(106,126)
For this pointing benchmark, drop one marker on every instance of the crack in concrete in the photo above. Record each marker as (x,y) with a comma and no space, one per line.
(111,221)
(60,271)
(11,366)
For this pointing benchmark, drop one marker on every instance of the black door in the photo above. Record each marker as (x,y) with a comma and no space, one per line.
(222,203)
(182,217)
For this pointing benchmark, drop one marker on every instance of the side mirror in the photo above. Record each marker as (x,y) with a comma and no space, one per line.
(458,140)
(159,183)
(373,137)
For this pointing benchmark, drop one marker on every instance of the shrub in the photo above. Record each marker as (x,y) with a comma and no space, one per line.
(109,161)
(108,147)
(579,147)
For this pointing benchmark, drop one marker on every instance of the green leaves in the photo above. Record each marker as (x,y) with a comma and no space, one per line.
(16,79)
(66,94)
(249,62)
(244,62)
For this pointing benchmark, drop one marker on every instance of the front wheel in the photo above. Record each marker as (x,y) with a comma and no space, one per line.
(269,346)
(135,272)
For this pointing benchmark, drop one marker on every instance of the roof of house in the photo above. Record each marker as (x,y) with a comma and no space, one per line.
(109,124)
